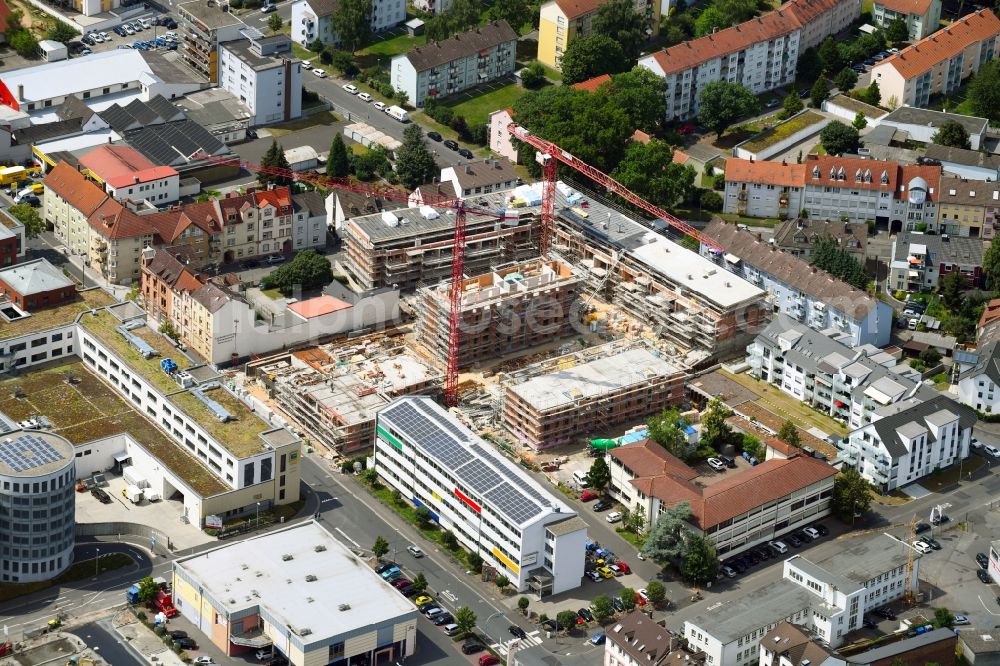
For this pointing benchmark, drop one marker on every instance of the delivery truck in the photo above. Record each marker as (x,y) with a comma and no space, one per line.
(14,174)
(398,113)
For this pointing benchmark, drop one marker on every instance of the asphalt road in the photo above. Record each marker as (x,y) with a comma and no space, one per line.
(108,644)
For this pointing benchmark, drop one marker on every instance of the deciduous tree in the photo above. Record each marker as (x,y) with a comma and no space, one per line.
(602,607)
(845,80)
(627,597)
(656,593)
(851,495)
(61,32)
(838,262)
(465,619)
(148,589)
(984,91)
(830,57)
(353,23)
(517,13)
(819,92)
(648,170)
(592,55)
(275,22)
(566,620)
(618,20)
(789,433)
(419,582)
(871,95)
(24,43)
(701,562)
(27,215)
(792,104)
(715,432)
(710,20)
(722,102)
(838,138)
(952,133)
(414,162)
(501,582)
(641,94)
(668,537)
(307,271)
(897,32)
(665,429)
(860,121)
(952,288)
(380,547)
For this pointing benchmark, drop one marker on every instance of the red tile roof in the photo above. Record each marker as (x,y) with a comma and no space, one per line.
(914,7)
(766,173)
(278,197)
(680,157)
(944,44)
(319,306)
(990,313)
(591,85)
(575,8)
(73,187)
(187,281)
(641,137)
(647,459)
(120,166)
(822,170)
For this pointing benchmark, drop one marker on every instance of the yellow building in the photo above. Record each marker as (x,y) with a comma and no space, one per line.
(563,20)
(966,207)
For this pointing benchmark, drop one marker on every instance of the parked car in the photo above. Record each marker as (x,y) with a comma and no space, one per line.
(620,568)
(381,107)
(267,9)
(812,532)
(960,620)
(793,540)
(203,660)
(729,461)
(365,97)
(423,600)
(350,88)
(598,639)
(976,444)
(466,153)
(450,145)
(471,647)
(275,259)
(589,495)
(991,450)
(186,643)
(869,623)
(488,660)
(985,577)
(264,653)
(982,560)
(932,542)
(177,634)
(778,547)
(923,548)
(32,200)
(772,103)
(885,612)
(443,619)
(728,572)
(516,631)
(276,661)
(822,529)
(408,591)
(400,583)
(922,527)
(384,566)
(585,615)
(594,576)
(716,464)
(603,505)
(415,551)
(434,136)
(614,516)
(617,603)
(100,495)
(320,73)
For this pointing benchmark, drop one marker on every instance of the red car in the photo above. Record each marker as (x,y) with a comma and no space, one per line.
(686,128)
(621,566)
(488,660)
(589,495)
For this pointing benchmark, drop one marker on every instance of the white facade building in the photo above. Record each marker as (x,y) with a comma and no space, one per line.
(464,61)
(262,73)
(492,506)
(979,386)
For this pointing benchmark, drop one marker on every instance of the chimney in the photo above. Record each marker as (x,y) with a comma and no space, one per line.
(784,163)
(468,169)
(135,180)
(760,238)
(20,92)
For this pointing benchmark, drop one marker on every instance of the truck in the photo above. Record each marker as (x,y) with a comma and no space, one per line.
(164,603)
(398,113)
(14,174)
(133,477)
(132,494)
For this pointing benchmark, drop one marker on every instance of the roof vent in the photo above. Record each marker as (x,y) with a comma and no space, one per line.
(286,557)
(320,548)
(310,578)
(344,607)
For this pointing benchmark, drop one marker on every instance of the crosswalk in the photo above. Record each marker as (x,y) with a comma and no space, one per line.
(534,638)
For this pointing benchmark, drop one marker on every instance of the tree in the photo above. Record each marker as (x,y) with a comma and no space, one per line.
(819,92)
(343,62)
(475,561)
(838,262)
(830,57)
(701,562)
(148,589)
(666,430)
(838,138)
(414,162)
(792,104)
(620,22)
(167,329)
(465,619)
(710,20)
(871,95)
(423,516)
(317,45)
(449,540)
(532,76)
(61,32)
(27,215)
(648,170)
(523,604)
(636,519)
(515,12)
(501,582)
(308,270)
(943,619)
(951,288)
(991,266)
(789,433)
(860,122)
(667,538)
(338,161)
(274,23)
(641,94)
(984,91)
(897,32)
(370,476)
(952,133)
(24,43)
(353,23)
(715,432)
(602,607)
(274,158)
(599,475)
(590,56)
(656,593)
(627,596)
(851,495)
(711,201)
(566,620)
(380,548)
(722,102)
(809,66)
(845,80)
(419,582)
(374,162)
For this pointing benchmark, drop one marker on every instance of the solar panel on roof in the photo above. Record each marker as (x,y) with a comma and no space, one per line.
(478,476)
(427,435)
(512,504)
(28,451)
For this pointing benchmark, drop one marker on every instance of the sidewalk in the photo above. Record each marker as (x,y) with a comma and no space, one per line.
(143,640)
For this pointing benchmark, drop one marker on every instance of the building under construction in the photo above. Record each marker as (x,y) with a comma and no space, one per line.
(333,392)
(557,400)
(412,246)
(507,310)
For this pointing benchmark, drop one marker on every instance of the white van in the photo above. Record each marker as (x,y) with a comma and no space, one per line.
(451,629)
(580,477)
(398,113)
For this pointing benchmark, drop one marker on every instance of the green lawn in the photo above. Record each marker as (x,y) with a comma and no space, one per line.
(394,46)
(478,109)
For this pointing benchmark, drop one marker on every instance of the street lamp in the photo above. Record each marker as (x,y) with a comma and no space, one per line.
(97,563)
(258,515)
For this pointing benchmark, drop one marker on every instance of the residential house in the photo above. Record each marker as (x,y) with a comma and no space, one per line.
(636,640)
(204,25)
(745,509)
(939,63)
(921,16)
(799,291)
(978,385)
(499,135)
(313,19)
(968,208)
(922,124)
(790,645)
(309,225)
(909,440)
(799,236)
(262,73)
(126,174)
(971,164)
(461,62)
(484,176)
(760,54)
(920,260)
(989,321)
(562,21)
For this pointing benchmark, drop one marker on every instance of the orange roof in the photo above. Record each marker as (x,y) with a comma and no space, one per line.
(120,166)
(990,313)
(944,44)
(279,197)
(785,20)
(765,173)
(680,157)
(576,8)
(641,137)
(826,170)
(187,281)
(647,458)
(319,306)
(931,174)
(73,187)
(782,446)
(914,7)
(591,85)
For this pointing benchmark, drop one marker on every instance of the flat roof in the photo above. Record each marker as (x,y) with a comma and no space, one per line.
(565,385)
(34,277)
(213,17)
(832,578)
(63,314)
(490,479)
(695,272)
(731,620)
(318,306)
(867,558)
(82,409)
(33,453)
(240,435)
(304,579)
(103,69)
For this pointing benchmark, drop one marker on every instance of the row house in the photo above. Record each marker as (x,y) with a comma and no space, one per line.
(968,208)
(919,261)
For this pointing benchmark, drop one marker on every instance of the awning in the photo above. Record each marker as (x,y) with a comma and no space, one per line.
(122,457)
(732,258)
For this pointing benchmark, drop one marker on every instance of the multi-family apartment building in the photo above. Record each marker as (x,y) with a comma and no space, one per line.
(313,19)
(562,21)
(919,261)
(508,310)
(493,507)
(921,16)
(798,290)
(761,53)
(636,640)
(908,440)
(262,73)
(790,645)
(828,599)
(847,381)
(126,174)
(939,63)
(464,61)
(747,508)
(850,189)
(800,236)
(968,208)
(550,403)
(204,25)
(977,385)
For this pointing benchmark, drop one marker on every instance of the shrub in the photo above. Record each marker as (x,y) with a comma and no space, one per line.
(326,58)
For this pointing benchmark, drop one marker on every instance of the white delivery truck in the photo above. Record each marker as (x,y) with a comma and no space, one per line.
(398,113)
(133,477)
(132,494)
